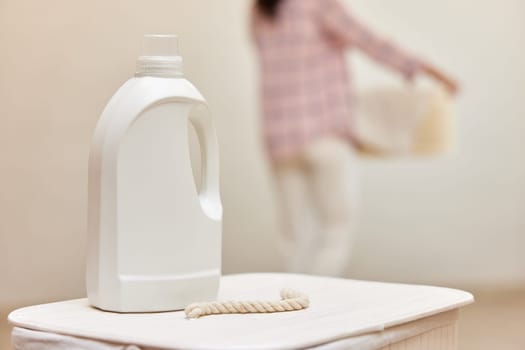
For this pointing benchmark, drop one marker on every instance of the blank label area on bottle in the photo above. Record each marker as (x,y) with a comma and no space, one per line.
(162,230)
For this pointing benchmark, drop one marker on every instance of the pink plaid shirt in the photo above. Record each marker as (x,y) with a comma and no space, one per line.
(306,90)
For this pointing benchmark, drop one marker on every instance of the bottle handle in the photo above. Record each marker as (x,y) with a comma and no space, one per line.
(209,194)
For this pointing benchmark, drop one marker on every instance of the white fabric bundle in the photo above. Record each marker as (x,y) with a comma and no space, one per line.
(397,122)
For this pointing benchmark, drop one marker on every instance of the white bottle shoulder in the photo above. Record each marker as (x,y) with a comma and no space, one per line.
(134,97)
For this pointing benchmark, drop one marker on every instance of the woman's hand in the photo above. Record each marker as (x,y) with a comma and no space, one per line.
(450,84)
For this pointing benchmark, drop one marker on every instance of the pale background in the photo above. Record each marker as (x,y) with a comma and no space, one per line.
(456,221)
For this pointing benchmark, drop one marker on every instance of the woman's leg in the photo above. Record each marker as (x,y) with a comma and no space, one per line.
(334,184)
(296,244)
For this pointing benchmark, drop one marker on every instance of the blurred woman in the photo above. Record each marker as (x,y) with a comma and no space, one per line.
(307,104)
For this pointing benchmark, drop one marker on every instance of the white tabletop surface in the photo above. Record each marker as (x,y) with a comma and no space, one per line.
(338,309)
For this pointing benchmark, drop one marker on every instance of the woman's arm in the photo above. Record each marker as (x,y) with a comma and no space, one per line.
(450,83)
(344,28)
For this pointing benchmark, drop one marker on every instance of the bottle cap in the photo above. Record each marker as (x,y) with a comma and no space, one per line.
(160,57)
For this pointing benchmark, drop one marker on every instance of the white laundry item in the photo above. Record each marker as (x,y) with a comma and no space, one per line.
(436,332)
(404,121)
(25,339)
(343,314)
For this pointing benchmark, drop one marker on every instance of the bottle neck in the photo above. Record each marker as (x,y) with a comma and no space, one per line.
(160,66)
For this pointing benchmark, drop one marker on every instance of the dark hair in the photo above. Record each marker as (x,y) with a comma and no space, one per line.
(269,7)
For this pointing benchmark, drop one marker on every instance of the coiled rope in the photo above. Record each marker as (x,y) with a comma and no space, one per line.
(291,300)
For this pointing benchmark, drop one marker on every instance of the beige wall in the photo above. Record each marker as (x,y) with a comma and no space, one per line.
(61,61)
(454,220)
(458,219)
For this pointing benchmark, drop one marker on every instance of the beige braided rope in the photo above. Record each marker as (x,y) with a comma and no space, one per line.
(291,300)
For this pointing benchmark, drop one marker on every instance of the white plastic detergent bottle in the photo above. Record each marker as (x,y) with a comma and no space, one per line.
(154,240)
